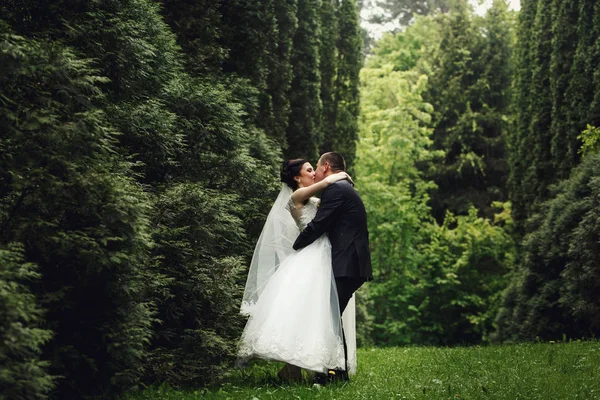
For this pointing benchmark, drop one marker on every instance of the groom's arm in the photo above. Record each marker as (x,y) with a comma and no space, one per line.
(331,200)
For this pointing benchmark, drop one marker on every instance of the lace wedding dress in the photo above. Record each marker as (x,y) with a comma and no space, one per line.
(296,319)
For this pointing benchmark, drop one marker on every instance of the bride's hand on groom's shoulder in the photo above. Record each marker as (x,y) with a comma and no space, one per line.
(338,177)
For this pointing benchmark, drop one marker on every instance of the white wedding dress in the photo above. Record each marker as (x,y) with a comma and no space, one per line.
(296,318)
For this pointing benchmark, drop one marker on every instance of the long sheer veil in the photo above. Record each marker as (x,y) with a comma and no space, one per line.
(273,246)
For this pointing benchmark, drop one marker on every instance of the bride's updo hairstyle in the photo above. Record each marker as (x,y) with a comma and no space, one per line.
(289,170)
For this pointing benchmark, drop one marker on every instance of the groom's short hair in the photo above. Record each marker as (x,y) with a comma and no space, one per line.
(335,160)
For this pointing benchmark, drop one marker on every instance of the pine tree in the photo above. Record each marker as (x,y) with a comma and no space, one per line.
(304,131)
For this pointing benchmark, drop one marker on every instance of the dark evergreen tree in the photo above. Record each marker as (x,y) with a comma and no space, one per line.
(547,297)
(469,91)
(347,95)
(197,24)
(552,293)
(539,172)
(180,130)
(593,116)
(280,68)
(519,140)
(249,33)
(564,35)
(328,56)
(199,306)
(22,374)
(582,273)
(304,131)
(66,196)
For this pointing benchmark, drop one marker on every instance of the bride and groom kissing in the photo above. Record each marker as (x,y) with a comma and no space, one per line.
(312,255)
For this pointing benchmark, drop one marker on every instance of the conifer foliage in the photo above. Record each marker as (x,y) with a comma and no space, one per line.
(552,190)
(470,93)
(140,142)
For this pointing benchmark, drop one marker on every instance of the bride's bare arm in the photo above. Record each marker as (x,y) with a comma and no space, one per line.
(305,193)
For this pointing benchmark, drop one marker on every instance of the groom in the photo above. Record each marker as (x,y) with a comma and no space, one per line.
(343,217)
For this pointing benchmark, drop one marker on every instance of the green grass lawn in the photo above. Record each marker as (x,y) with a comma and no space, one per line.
(527,371)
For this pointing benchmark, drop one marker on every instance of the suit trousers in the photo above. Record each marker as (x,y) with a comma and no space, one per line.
(346,286)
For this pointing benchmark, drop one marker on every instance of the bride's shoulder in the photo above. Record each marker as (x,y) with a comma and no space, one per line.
(290,204)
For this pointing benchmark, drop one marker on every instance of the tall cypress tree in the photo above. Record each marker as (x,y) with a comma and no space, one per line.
(249,33)
(347,96)
(564,35)
(539,171)
(280,68)
(593,116)
(328,56)
(519,140)
(304,129)
(547,296)
(197,24)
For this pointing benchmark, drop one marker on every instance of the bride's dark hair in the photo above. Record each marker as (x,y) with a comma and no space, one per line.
(289,170)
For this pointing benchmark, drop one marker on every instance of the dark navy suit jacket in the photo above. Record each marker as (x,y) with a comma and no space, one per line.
(343,217)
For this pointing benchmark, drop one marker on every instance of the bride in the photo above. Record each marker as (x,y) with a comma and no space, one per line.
(291,296)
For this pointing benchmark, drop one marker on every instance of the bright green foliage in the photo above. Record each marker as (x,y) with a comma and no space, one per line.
(22,374)
(393,138)
(304,133)
(457,290)
(590,138)
(364,319)
(469,90)
(66,196)
(404,51)
(554,292)
(433,284)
